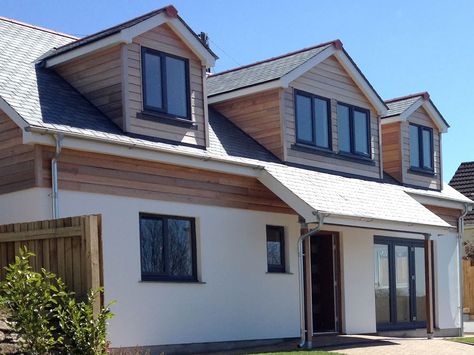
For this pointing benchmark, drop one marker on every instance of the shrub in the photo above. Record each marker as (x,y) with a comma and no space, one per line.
(47,316)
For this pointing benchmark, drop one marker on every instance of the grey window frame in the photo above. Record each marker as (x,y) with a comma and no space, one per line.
(164,91)
(353,151)
(313,120)
(165,276)
(277,268)
(421,159)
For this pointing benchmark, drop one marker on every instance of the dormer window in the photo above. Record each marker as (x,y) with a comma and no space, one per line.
(165,84)
(354,130)
(312,120)
(421,147)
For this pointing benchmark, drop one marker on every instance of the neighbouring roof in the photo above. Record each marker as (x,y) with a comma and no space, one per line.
(261,72)
(400,105)
(115,29)
(44,100)
(463,181)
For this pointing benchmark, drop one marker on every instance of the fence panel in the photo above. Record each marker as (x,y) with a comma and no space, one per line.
(468,274)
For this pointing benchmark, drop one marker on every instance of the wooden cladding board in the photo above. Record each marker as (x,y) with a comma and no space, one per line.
(90,172)
(329,79)
(421,117)
(163,39)
(450,215)
(69,247)
(99,78)
(17,161)
(392,150)
(258,115)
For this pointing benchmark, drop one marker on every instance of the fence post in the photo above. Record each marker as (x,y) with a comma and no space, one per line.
(91,234)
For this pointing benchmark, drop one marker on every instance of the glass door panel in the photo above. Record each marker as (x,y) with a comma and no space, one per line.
(402,285)
(382,289)
(420,284)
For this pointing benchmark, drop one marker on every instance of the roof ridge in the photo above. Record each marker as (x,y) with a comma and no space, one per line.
(406,97)
(336,42)
(2,18)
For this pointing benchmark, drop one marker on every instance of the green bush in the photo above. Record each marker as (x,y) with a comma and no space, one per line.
(47,316)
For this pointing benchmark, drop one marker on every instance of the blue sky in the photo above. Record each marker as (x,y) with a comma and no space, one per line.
(401,46)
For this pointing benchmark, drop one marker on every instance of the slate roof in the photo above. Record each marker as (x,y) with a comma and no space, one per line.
(399,105)
(261,72)
(45,101)
(112,30)
(463,181)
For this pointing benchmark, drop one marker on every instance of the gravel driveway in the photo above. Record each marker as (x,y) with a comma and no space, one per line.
(407,346)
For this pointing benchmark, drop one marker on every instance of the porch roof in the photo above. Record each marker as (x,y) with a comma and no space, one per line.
(376,204)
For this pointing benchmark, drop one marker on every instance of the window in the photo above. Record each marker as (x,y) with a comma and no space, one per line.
(167,248)
(354,130)
(276,249)
(312,120)
(421,147)
(165,83)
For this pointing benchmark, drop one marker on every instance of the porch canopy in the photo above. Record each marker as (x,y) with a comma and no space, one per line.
(356,202)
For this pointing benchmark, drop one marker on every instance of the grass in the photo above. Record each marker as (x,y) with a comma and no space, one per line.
(466,340)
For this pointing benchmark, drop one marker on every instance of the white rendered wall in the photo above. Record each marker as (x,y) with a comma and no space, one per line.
(238,299)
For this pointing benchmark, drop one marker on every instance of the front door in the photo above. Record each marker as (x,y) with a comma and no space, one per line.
(324,283)
(399,280)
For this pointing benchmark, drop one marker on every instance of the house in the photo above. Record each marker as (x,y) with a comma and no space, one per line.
(463,181)
(280,199)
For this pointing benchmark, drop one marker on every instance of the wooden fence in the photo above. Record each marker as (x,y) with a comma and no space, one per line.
(468,274)
(69,247)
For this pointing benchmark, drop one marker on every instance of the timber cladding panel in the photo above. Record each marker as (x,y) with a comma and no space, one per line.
(329,80)
(99,78)
(258,115)
(69,247)
(90,172)
(421,117)
(163,39)
(392,150)
(17,161)
(449,215)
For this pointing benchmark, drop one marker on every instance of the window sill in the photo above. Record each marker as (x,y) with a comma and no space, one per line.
(279,273)
(173,282)
(423,172)
(165,119)
(329,153)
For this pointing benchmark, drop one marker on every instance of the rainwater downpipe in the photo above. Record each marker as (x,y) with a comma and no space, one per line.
(301,239)
(460,272)
(54,175)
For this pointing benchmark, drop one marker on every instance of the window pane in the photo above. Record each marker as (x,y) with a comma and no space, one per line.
(414,147)
(361,144)
(275,247)
(420,284)
(343,128)
(180,247)
(402,286)
(304,120)
(427,153)
(176,87)
(151,245)
(322,122)
(382,289)
(152,73)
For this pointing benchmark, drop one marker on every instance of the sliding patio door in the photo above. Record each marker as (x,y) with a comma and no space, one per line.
(399,281)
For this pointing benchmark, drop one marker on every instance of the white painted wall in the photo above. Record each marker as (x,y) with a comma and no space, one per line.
(238,299)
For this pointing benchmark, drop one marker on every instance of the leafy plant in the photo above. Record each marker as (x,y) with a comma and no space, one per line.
(47,316)
(84,333)
(31,298)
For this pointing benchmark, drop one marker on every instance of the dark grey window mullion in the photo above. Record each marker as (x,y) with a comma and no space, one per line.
(392,283)
(313,122)
(351,130)
(412,282)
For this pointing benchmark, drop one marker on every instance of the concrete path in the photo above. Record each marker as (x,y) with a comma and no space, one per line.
(406,346)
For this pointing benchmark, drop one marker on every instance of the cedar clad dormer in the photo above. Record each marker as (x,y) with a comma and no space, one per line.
(147,75)
(411,141)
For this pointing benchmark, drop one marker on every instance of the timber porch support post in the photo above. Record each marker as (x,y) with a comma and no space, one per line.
(429,286)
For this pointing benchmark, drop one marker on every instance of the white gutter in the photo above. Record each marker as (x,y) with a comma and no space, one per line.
(54,175)
(460,268)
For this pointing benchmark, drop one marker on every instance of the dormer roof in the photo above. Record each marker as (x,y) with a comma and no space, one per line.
(125,32)
(280,71)
(401,108)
